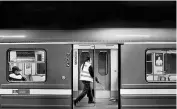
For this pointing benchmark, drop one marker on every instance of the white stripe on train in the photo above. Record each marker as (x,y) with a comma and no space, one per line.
(79,42)
(147,91)
(69,91)
(40,91)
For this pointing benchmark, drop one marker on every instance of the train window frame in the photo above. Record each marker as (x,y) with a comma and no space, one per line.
(26,49)
(157,49)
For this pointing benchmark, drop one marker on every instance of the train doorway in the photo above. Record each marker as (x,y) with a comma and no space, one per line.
(83,53)
(105,64)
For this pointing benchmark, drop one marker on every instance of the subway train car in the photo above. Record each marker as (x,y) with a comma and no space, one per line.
(135,66)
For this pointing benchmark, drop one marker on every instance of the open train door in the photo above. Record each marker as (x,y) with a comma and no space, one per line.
(105,63)
(80,52)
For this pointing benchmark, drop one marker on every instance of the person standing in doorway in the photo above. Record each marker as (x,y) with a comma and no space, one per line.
(86,76)
(159,62)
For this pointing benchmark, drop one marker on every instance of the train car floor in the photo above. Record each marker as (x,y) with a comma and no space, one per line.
(100,104)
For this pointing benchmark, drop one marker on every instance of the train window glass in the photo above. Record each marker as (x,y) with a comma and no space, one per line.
(41,68)
(149,67)
(102,63)
(170,63)
(149,57)
(149,63)
(161,65)
(31,65)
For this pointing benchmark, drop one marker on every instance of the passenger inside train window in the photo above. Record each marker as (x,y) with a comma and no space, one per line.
(15,75)
(161,65)
(158,62)
(31,65)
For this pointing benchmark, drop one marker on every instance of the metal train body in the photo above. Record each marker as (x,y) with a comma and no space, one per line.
(123,76)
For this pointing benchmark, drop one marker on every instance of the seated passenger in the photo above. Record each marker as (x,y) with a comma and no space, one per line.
(15,75)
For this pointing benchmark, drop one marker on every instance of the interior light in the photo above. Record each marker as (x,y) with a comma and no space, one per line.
(12,36)
(131,35)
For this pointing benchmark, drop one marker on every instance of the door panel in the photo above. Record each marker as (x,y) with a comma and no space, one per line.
(102,72)
(83,53)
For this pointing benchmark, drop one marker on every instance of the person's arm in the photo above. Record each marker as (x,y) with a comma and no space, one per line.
(15,76)
(24,79)
(92,74)
(91,71)
(96,79)
(81,68)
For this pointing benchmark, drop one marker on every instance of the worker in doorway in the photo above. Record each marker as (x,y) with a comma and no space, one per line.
(91,71)
(15,75)
(86,76)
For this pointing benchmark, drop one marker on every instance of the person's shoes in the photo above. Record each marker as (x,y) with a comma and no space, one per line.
(75,102)
(89,102)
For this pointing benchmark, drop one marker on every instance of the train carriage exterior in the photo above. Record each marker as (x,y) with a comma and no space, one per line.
(126,61)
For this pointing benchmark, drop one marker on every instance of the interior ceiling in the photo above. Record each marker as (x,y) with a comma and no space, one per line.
(76,15)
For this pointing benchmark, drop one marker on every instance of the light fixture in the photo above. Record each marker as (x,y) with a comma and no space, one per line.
(131,35)
(12,36)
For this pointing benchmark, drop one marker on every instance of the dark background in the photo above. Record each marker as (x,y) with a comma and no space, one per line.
(92,14)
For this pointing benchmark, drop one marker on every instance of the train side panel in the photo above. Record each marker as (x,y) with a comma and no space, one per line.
(136,92)
(54,93)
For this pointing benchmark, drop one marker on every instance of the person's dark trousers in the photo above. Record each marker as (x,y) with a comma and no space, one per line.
(86,90)
(90,95)
(93,93)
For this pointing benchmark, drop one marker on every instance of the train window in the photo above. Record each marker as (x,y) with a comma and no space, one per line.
(26,65)
(102,63)
(161,65)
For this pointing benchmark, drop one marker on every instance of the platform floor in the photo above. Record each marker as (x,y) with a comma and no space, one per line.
(100,104)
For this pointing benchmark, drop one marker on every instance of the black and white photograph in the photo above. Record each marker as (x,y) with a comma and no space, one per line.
(112,54)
